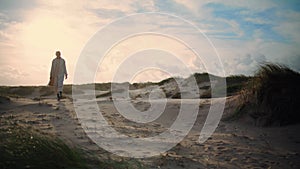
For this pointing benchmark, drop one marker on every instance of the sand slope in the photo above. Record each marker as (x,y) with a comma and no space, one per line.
(236,144)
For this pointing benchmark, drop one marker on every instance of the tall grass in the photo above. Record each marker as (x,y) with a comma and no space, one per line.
(25,148)
(274,95)
(22,147)
(235,83)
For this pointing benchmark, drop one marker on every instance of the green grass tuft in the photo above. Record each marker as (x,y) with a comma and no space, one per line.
(24,148)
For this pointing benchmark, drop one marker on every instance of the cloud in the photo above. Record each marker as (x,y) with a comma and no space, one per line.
(153,75)
(282,53)
(14,5)
(14,11)
(108,13)
(244,33)
(245,64)
(254,5)
(10,75)
(3,36)
(289,25)
(146,51)
(294,62)
(144,6)
(251,59)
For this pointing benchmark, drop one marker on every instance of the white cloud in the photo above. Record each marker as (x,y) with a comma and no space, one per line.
(289,26)
(196,7)
(257,20)
(29,43)
(63,25)
(234,52)
(10,75)
(287,54)
(138,52)
(51,26)
(254,5)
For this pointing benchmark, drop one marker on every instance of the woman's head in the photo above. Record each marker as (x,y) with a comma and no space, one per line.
(57,53)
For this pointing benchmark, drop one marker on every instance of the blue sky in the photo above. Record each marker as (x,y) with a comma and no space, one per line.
(245,33)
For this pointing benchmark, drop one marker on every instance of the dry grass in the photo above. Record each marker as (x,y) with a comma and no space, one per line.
(272,97)
(17,91)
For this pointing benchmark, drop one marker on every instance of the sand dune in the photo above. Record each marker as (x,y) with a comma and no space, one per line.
(235,144)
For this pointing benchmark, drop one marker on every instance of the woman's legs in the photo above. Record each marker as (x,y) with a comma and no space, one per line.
(60,81)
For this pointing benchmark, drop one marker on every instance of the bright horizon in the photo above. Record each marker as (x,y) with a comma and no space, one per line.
(243,33)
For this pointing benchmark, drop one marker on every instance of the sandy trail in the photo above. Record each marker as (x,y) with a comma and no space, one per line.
(233,145)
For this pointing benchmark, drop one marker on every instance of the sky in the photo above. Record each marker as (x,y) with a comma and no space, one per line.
(244,34)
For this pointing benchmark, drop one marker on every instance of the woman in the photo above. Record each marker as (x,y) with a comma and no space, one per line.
(58,71)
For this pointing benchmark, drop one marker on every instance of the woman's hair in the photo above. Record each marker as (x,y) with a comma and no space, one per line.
(57,53)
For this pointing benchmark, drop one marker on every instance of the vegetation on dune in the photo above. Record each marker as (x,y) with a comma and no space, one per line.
(103,86)
(24,91)
(24,148)
(201,77)
(140,85)
(108,94)
(46,91)
(168,80)
(236,83)
(233,86)
(272,97)
(17,91)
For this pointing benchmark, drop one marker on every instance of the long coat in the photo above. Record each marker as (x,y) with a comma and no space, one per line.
(58,71)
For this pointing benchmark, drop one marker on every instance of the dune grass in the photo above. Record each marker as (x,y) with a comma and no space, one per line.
(46,91)
(103,86)
(235,83)
(16,91)
(274,96)
(25,148)
(107,94)
(135,86)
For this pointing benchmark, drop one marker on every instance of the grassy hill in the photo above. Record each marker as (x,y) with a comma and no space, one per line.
(272,96)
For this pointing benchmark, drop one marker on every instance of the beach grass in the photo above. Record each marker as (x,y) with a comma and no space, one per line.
(22,147)
(16,91)
(273,95)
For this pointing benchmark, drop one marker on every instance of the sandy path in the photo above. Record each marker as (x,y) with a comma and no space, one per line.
(233,145)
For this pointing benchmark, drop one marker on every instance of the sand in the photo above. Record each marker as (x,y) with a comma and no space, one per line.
(234,144)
